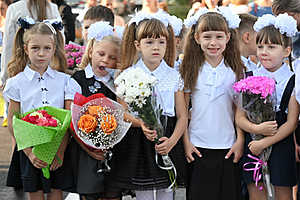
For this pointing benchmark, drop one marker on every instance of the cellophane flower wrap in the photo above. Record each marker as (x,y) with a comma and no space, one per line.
(74,55)
(98,121)
(258,99)
(37,129)
(137,89)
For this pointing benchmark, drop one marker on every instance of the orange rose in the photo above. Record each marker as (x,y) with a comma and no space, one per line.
(87,123)
(108,124)
(95,110)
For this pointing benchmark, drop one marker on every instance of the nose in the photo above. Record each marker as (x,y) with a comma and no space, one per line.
(105,58)
(41,52)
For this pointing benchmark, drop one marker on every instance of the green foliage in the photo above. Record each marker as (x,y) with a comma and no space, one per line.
(179,8)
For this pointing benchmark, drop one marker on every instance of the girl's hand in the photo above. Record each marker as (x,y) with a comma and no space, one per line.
(165,147)
(37,163)
(150,134)
(256,147)
(189,150)
(97,154)
(57,162)
(267,128)
(236,149)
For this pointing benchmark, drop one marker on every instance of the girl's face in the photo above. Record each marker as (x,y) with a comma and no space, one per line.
(213,43)
(86,25)
(271,55)
(152,50)
(40,50)
(3,8)
(211,4)
(104,54)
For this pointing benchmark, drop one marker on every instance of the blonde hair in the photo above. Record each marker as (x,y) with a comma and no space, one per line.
(86,58)
(149,28)
(40,6)
(194,57)
(20,59)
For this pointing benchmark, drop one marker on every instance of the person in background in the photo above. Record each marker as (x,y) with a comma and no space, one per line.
(260,7)
(239,6)
(89,4)
(119,21)
(68,19)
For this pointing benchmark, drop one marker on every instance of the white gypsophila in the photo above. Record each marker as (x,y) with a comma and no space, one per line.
(232,19)
(286,25)
(264,21)
(140,16)
(176,24)
(99,30)
(190,21)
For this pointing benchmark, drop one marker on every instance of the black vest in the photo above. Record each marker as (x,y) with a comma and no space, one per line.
(90,86)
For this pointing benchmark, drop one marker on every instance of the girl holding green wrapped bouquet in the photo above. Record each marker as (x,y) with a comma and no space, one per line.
(273,47)
(35,84)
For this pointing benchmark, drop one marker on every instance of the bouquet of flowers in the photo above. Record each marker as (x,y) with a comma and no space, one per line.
(137,88)
(98,123)
(74,55)
(257,98)
(43,129)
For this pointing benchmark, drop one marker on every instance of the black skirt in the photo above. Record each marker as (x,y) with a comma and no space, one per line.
(134,167)
(22,174)
(213,177)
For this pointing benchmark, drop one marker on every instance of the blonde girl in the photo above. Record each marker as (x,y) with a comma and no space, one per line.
(100,58)
(34,84)
(210,66)
(148,43)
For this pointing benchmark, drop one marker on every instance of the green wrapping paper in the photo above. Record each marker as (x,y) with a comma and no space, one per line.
(44,140)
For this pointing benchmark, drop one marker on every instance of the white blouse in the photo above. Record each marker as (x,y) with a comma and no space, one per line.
(33,90)
(281,76)
(212,117)
(251,66)
(14,12)
(169,82)
(74,87)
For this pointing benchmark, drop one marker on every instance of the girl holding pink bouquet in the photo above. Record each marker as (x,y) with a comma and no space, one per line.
(273,47)
(100,58)
(34,84)
(210,66)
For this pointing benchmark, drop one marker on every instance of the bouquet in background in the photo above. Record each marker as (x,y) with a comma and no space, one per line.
(74,55)
(43,129)
(257,98)
(98,123)
(136,88)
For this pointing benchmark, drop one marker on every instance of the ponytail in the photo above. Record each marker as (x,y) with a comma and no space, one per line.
(128,50)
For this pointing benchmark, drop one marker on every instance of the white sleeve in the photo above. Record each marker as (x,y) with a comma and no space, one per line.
(8,41)
(71,89)
(11,91)
(297,81)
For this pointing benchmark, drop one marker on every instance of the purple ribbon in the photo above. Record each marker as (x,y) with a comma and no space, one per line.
(256,173)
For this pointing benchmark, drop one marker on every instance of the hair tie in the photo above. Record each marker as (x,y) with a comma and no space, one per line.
(25,22)
(140,16)
(99,30)
(283,22)
(176,24)
(54,24)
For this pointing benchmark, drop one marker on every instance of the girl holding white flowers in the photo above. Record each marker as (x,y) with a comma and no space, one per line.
(273,47)
(210,66)
(154,41)
(100,58)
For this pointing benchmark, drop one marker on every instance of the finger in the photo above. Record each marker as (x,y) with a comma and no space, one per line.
(163,139)
(229,154)
(189,157)
(197,152)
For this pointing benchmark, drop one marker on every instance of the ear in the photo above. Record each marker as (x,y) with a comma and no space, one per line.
(287,51)
(197,37)
(90,52)
(246,37)
(228,35)
(26,49)
(137,45)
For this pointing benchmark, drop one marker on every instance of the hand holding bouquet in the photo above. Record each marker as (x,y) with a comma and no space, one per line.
(136,88)
(43,129)
(257,98)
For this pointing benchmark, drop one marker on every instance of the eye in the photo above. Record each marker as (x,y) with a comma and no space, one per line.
(86,27)
(113,57)
(162,42)
(259,46)
(220,36)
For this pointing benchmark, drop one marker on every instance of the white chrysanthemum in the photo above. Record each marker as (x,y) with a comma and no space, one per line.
(176,24)
(99,30)
(264,21)
(286,25)
(232,19)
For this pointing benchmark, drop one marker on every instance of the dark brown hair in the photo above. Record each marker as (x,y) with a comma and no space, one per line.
(100,13)
(194,56)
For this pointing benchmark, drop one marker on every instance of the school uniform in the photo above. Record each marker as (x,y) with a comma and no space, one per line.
(134,166)
(250,66)
(32,90)
(87,181)
(212,132)
(281,163)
